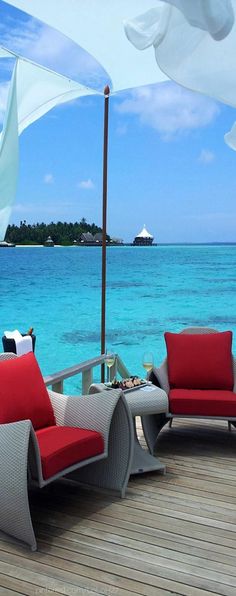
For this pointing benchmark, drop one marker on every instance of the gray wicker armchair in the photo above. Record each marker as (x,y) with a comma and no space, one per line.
(106,414)
(152,425)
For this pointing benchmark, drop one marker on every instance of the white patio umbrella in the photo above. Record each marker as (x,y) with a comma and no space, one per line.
(194,41)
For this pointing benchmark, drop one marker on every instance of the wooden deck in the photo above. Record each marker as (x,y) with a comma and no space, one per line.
(171,535)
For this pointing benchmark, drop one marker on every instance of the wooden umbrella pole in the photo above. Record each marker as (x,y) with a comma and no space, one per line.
(104,228)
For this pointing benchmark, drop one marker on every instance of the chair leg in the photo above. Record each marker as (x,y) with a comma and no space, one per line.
(229,426)
(171,422)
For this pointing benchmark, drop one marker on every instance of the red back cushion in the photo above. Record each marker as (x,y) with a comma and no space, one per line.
(23,395)
(200,361)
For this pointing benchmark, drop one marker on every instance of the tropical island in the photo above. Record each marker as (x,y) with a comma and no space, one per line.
(62,233)
(66,234)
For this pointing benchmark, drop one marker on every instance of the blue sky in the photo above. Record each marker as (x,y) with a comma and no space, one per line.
(168,164)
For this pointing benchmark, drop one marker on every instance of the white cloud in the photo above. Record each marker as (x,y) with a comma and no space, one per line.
(48,208)
(86,184)
(32,208)
(169,109)
(48,178)
(206,156)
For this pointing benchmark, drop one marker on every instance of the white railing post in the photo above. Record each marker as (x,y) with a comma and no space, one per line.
(87,379)
(121,368)
(58,387)
(114,368)
(86,369)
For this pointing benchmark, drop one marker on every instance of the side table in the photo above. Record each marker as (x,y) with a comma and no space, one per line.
(143,401)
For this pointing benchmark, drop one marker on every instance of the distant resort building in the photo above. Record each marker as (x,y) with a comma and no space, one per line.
(49,242)
(86,237)
(98,237)
(5,244)
(143,238)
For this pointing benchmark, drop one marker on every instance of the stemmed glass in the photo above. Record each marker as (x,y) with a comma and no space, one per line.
(148,361)
(110,360)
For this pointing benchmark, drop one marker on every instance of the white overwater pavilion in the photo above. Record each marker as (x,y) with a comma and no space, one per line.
(143,238)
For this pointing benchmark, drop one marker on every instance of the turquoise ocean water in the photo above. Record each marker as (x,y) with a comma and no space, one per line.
(149,290)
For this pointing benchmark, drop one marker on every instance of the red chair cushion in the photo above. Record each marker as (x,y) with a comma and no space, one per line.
(200,361)
(63,446)
(23,395)
(199,402)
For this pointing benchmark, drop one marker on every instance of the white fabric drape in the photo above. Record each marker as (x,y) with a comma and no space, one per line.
(97,26)
(194,40)
(34,91)
(194,43)
(230,137)
(39,90)
(9,157)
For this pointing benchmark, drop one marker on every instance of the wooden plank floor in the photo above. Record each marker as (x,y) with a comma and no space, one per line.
(173,534)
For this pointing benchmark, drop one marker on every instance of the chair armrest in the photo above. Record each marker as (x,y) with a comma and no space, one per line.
(159,376)
(14,506)
(87,411)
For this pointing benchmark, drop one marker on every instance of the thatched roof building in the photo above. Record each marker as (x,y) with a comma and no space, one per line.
(86,237)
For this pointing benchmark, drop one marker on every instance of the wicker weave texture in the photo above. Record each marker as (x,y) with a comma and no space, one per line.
(7,355)
(147,401)
(93,412)
(15,516)
(113,472)
(153,424)
(19,454)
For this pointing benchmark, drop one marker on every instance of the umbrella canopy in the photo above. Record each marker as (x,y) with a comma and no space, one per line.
(97,26)
(194,41)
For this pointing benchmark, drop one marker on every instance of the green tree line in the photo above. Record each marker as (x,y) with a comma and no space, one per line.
(61,232)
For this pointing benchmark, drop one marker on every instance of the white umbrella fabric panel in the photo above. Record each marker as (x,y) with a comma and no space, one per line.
(34,91)
(194,43)
(98,27)
(9,157)
(39,90)
(230,137)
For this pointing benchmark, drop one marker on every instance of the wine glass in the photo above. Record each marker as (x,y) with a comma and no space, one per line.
(148,361)
(110,360)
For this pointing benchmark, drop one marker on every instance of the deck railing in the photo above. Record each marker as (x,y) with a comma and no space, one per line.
(56,380)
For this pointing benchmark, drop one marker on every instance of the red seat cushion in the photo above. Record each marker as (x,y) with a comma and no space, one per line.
(200,361)
(63,446)
(197,402)
(23,395)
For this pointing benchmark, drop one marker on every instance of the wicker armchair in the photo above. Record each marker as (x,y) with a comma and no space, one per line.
(105,417)
(152,425)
